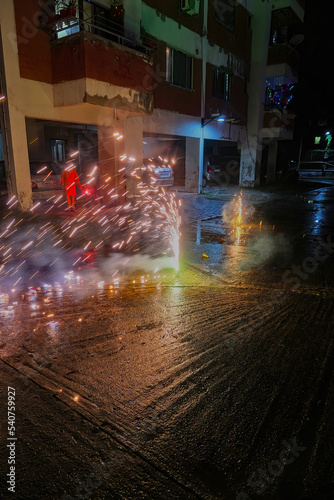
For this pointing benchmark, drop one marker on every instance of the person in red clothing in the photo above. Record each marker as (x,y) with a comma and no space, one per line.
(69,180)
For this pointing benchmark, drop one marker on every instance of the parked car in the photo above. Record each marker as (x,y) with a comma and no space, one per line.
(158,171)
(220,169)
(207,170)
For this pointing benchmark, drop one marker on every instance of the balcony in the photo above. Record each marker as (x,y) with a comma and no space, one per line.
(296,8)
(58,28)
(278,124)
(95,64)
(285,40)
(283,54)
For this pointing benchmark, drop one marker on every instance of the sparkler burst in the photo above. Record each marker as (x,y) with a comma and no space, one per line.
(236,216)
(36,248)
(238,219)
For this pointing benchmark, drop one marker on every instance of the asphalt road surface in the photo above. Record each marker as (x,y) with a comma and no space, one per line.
(213,383)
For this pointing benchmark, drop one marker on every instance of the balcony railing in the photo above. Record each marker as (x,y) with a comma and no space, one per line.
(97,25)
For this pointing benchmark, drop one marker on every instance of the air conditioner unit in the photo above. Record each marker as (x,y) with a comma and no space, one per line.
(191,7)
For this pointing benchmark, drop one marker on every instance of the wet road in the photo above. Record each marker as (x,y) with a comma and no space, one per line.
(216,383)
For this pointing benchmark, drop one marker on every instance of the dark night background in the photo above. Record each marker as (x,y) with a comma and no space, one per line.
(314,94)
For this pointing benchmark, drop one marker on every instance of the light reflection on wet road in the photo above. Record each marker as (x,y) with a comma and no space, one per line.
(190,386)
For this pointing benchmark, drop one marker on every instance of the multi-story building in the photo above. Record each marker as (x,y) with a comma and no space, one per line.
(285,38)
(179,79)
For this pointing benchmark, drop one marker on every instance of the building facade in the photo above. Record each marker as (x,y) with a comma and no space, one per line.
(121,81)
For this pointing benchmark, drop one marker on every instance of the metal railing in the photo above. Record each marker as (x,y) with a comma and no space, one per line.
(100,26)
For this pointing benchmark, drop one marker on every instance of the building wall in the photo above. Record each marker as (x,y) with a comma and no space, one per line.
(236,106)
(170,123)
(33,98)
(78,66)
(172,98)
(177,111)
(32,43)
(76,58)
(238,41)
(85,56)
(170,30)
(171,9)
(166,23)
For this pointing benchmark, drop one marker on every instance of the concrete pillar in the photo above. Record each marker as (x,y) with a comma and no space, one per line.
(193,162)
(110,150)
(201,161)
(203,92)
(16,154)
(133,148)
(271,164)
(251,150)
(14,134)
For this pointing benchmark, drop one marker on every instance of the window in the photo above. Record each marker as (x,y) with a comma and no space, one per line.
(57,150)
(280,35)
(225,13)
(191,7)
(66,30)
(221,82)
(179,68)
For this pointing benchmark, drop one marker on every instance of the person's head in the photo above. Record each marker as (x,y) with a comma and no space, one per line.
(70,166)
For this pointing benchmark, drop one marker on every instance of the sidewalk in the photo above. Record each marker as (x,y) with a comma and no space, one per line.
(225,193)
(209,203)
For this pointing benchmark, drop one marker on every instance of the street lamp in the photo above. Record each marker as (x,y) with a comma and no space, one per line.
(214,116)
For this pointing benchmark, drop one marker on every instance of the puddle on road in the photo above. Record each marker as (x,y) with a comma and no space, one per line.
(214,231)
(232,255)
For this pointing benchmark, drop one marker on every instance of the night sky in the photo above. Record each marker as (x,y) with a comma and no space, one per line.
(314,97)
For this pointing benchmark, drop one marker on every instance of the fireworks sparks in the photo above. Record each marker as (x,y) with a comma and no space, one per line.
(41,170)
(32,250)
(239,219)
(237,216)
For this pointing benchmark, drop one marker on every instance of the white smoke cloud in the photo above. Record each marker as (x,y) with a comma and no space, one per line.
(121,265)
(266,247)
(229,214)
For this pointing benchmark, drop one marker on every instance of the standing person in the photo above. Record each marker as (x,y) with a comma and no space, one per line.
(69,180)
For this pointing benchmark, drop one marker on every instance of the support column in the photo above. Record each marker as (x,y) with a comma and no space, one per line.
(251,150)
(204,42)
(194,153)
(15,144)
(272,160)
(17,158)
(201,161)
(133,148)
